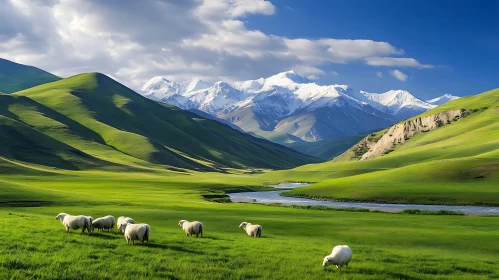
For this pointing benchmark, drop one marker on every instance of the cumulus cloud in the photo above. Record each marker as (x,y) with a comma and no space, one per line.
(379,74)
(398,75)
(136,40)
(396,61)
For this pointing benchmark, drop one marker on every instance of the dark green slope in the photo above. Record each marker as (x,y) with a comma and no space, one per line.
(15,77)
(102,118)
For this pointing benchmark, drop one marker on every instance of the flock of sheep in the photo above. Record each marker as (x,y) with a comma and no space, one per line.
(340,256)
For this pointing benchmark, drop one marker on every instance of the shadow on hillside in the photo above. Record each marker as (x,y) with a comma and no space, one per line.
(175,248)
(104,235)
(211,238)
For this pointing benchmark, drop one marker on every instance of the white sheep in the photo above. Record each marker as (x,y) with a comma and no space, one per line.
(251,230)
(90,220)
(134,232)
(123,220)
(341,255)
(191,227)
(102,223)
(73,222)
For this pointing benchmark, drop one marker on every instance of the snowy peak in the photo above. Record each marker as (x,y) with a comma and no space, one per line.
(288,76)
(289,79)
(442,99)
(155,83)
(193,85)
(396,102)
(250,86)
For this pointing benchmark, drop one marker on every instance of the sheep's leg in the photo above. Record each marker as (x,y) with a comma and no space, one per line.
(67,229)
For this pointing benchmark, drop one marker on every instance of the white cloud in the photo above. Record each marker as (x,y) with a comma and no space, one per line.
(136,40)
(334,73)
(379,74)
(398,75)
(396,61)
(234,8)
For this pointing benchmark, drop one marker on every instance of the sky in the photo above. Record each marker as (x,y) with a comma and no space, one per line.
(424,46)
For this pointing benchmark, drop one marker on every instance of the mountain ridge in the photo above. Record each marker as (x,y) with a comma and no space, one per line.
(276,104)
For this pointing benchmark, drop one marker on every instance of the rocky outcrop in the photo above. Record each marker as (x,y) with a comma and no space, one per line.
(401,132)
(358,150)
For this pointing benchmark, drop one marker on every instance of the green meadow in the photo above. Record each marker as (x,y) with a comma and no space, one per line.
(294,241)
(87,145)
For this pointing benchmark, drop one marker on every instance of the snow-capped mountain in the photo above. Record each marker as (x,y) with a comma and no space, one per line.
(399,103)
(289,106)
(442,99)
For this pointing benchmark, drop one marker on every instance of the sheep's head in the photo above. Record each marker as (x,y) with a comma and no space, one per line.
(326,261)
(243,225)
(181,222)
(123,226)
(61,216)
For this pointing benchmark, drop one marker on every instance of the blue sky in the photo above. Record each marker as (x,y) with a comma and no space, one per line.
(460,38)
(426,47)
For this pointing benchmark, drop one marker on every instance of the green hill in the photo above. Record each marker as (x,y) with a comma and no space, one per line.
(92,121)
(15,77)
(455,163)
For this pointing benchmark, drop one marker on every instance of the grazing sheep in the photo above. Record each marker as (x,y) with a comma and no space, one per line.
(123,220)
(73,222)
(106,222)
(251,230)
(139,232)
(341,255)
(90,220)
(191,227)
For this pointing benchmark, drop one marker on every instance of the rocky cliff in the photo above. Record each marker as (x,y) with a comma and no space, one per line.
(401,132)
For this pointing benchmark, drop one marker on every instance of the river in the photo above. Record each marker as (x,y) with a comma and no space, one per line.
(274,197)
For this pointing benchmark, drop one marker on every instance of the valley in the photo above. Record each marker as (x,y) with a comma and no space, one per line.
(89,145)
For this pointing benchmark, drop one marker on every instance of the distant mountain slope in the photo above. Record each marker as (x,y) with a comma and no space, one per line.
(399,103)
(15,77)
(98,120)
(442,99)
(288,106)
(328,148)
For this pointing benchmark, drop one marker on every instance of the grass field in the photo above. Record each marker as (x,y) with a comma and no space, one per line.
(88,145)
(292,246)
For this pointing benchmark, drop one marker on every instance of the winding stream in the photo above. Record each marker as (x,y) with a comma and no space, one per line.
(274,197)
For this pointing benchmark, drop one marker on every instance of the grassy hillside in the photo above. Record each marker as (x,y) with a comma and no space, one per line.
(293,243)
(454,164)
(106,123)
(15,77)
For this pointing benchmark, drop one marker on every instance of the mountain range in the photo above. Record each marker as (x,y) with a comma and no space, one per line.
(90,121)
(288,108)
